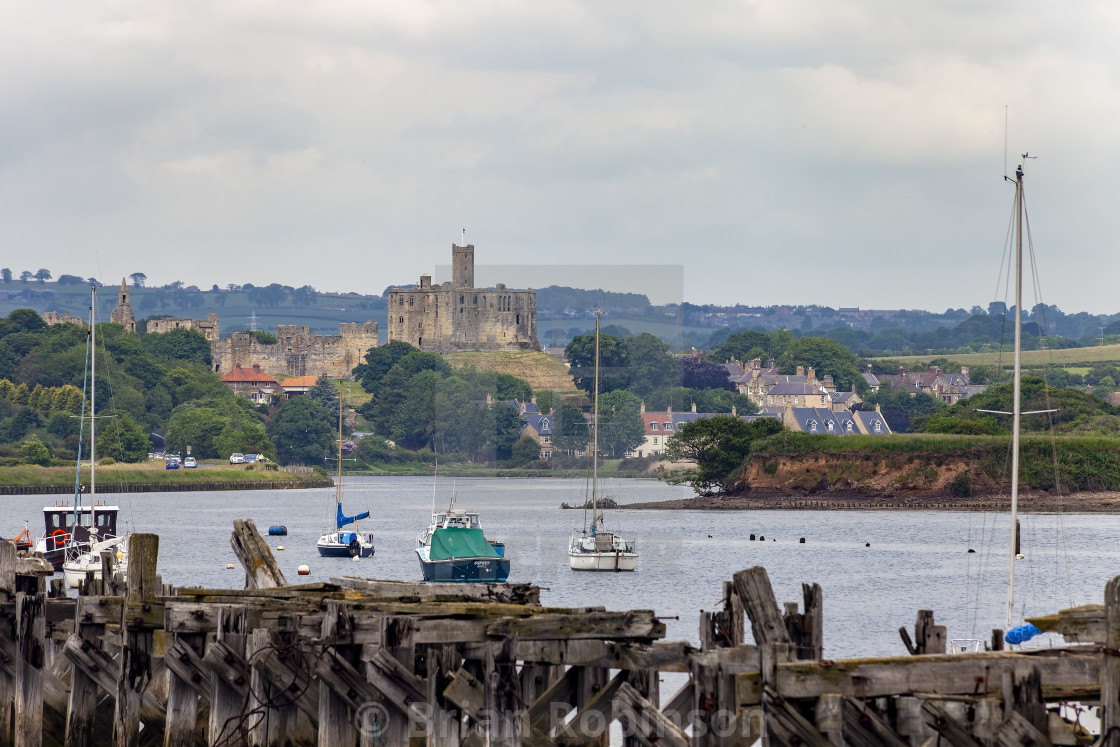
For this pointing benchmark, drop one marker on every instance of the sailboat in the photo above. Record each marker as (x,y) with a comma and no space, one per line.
(596,550)
(1021,633)
(93,528)
(339,543)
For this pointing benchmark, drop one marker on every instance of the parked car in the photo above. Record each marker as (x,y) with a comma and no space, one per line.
(250,458)
(237,458)
(172,463)
(190,462)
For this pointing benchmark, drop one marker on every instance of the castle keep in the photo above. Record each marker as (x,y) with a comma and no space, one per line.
(455,316)
(297,352)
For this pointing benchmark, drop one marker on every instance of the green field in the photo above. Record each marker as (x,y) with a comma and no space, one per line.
(153,472)
(1070,358)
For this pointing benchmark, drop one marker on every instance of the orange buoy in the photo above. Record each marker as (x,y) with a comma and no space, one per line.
(229,567)
(303,570)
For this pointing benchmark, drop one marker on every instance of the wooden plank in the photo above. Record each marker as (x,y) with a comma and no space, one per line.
(548,711)
(1110,671)
(30,642)
(645,722)
(1067,674)
(1017,731)
(7,570)
(183,691)
(274,723)
(947,728)
(444,723)
(757,596)
(335,724)
(1085,624)
(7,641)
(785,724)
(103,669)
(441,592)
(261,568)
(227,695)
(865,727)
(81,713)
(503,727)
(634,624)
(137,652)
(679,703)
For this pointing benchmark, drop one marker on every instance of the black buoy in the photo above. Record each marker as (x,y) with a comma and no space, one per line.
(867,544)
(971,550)
(752,538)
(802,540)
(761,538)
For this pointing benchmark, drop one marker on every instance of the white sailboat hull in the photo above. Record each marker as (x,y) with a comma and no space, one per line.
(75,570)
(602,561)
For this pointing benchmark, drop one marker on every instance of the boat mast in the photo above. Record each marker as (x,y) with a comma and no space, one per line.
(1016,406)
(92,392)
(338,483)
(595,434)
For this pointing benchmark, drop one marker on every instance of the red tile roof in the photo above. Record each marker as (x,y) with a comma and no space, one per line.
(253,376)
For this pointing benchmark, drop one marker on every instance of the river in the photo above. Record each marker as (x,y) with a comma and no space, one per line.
(876,568)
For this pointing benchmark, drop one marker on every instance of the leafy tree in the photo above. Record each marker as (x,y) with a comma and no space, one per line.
(34,451)
(264,338)
(570,431)
(22,320)
(123,439)
(525,450)
(544,401)
(42,275)
(247,437)
(613,362)
(650,364)
(698,374)
(138,279)
(301,431)
(70,280)
(6,274)
(25,276)
(717,446)
(620,423)
(181,344)
(378,362)
(325,394)
(503,427)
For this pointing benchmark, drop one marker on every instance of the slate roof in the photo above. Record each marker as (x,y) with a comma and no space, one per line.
(820,420)
(542,424)
(795,387)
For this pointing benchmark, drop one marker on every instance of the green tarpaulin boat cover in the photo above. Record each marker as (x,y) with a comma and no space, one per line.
(451,544)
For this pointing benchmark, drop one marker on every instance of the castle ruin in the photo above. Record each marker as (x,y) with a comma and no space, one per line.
(298,352)
(208,326)
(123,313)
(456,316)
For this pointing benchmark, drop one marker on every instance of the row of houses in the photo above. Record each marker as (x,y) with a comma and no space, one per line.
(260,388)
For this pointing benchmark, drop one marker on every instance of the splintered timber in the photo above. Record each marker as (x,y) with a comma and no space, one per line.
(367,662)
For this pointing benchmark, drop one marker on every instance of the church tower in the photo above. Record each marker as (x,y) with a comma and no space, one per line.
(462,265)
(123,313)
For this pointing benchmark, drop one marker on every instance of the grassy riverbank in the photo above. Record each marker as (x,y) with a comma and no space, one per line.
(154,475)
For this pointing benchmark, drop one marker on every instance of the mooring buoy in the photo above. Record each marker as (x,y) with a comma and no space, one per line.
(802,540)
(303,570)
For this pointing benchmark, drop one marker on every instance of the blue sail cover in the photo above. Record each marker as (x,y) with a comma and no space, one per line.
(342,519)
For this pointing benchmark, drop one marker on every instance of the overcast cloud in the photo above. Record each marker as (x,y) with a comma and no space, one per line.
(840,152)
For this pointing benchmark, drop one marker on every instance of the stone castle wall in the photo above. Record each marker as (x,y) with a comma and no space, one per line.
(208,326)
(298,352)
(455,316)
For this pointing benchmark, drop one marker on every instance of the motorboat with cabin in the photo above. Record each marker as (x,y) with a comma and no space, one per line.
(454,548)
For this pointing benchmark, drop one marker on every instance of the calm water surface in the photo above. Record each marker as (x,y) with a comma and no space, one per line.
(915,559)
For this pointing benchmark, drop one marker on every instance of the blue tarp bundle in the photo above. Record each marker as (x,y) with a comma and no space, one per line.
(342,519)
(1021,634)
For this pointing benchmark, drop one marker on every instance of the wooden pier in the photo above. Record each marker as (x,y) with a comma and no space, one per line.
(371,663)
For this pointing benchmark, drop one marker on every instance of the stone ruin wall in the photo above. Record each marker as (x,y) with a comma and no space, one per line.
(208,326)
(298,352)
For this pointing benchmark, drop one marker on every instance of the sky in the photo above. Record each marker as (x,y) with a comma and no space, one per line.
(836,152)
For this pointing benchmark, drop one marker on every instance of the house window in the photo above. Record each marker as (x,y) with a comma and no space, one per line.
(410,300)
(653,426)
(544,424)
(877,427)
(402,320)
(400,301)
(476,300)
(848,426)
(830,424)
(460,299)
(668,426)
(812,426)
(655,440)
(546,439)
(420,325)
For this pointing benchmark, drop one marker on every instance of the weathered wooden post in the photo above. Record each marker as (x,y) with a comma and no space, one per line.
(81,711)
(502,694)
(261,569)
(225,656)
(7,639)
(137,639)
(444,725)
(336,724)
(31,628)
(186,682)
(1110,672)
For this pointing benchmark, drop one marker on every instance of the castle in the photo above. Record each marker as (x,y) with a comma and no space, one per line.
(208,326)
(455,316)
(123,313)
(297,352)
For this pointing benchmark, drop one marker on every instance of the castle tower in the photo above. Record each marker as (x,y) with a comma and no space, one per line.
(123,313)
(462,266)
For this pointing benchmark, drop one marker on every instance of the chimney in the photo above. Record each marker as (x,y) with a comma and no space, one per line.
(812,373)
(801,370)
(489,399)
(694,407)
(964,370)
(901,371)
(256,368)
(669,410)
(734,411)
(868,368)
(643,409)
